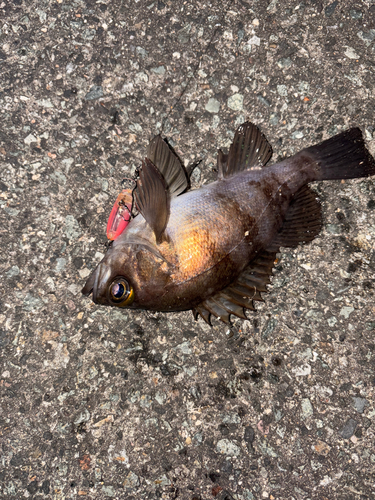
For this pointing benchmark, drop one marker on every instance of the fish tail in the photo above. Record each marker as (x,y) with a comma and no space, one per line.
(344,156)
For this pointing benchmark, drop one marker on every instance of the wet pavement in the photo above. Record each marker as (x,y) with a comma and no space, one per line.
(104,403)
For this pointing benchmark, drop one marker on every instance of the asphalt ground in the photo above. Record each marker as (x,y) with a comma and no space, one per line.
(102,403)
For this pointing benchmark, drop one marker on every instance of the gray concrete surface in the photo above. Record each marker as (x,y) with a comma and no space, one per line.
(99,403)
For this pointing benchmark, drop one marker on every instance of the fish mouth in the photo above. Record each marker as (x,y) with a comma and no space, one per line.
(97,284)
(89,285)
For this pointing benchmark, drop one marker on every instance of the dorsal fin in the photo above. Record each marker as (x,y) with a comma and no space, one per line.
(240,294)
(249,149)
(159,153)
(152,198)
(303,220)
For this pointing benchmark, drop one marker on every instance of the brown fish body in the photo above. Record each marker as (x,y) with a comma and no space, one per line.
(211,237)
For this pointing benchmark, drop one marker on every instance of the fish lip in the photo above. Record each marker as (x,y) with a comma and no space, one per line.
(95,286)
(89,285)
(102,277)
(86,291)
(96,283)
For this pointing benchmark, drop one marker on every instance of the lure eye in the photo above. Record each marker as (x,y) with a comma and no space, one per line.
(121,292)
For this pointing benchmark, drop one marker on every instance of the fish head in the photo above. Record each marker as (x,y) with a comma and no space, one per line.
(129,276)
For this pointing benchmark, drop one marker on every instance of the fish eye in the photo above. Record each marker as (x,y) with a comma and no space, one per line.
(121,292)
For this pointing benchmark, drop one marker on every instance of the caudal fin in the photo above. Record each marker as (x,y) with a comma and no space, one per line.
(344,156)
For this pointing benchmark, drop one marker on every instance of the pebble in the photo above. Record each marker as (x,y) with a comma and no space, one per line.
(350,53)
(282,90)
(274,118)
(13,271)
(213,105)
(360,404)
(367,36)
(333,228)
(162,481)
(95,93)
(298,134)
(269,328)
(302,371)
(67,162)
(231,418)
(254,41)
(141,51)
(247,495)
(346,311)
(235,102)
(84,416)
(60,264)
(330,9)
(227,447)
(72,229)
(307,408)
(160,70)
(185,347)
(266,449)
(109,491)
(285,62)
(45,103)
(32,487)
(348,429)
(70,67)
(30,139)
(355,14)
(141,77)
(131,480)
(263,100)
(322,448)
(249,435)
(31,303)
(215,122)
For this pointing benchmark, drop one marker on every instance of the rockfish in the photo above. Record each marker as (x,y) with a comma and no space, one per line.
(212,249)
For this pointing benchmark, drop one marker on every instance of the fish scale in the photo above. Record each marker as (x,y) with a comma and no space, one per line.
(215,221)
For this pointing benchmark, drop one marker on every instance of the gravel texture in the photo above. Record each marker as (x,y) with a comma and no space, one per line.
(104,403)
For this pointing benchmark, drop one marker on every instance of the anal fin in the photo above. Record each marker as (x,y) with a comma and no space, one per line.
(203,312)
(302,223)
(239,295)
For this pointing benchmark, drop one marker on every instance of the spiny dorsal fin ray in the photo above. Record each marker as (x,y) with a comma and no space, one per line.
(303,221)
(239,295)
(152,198)
(249,149)
(159,153)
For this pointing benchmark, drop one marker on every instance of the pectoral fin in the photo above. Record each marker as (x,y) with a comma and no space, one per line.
(159,153)
(249,149)
(238,296)
(152,198)
(302,223)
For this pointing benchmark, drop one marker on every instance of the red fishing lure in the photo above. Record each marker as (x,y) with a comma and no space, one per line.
(120,214)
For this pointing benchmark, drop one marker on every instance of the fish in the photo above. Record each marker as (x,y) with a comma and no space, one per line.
(212,250)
